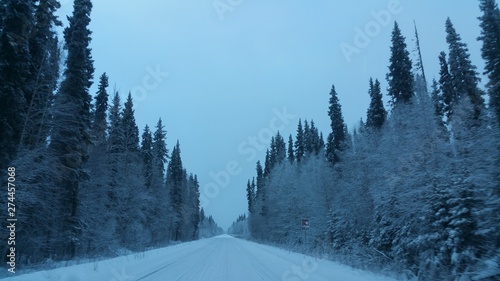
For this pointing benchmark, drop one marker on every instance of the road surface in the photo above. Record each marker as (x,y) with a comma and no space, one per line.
(222,258)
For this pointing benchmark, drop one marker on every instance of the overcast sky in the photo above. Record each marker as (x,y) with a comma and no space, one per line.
(219,72)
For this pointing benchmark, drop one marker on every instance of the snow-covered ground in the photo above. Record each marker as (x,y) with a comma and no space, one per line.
(222,258)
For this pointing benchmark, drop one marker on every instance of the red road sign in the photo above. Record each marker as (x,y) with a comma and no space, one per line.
(305,223)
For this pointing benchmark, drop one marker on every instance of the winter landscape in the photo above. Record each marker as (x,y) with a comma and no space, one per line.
(246,140)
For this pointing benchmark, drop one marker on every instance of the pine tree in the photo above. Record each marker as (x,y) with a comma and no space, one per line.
(100,124)
(15,86)
(291,156)
(376,114)
(299,143)
(490,51)
(400,77)
(175,179)
(71,138)
(463,73)
(337,139)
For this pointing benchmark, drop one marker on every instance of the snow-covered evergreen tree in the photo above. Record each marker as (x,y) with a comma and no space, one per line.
(490,51)
(400,77)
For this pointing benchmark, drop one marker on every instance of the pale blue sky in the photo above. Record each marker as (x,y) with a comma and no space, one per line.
(228,70)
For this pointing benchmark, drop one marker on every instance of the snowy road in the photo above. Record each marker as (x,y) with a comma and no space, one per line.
(221,258)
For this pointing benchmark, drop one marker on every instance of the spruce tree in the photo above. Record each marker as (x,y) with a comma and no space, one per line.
(314,136)
(280,147)
(463,73)
(291,156)
(175,179)
(250,196)
(299,143)
(337,138)
(147,156)
(260,192)
(160,151)
(267,164)
(400,77)
(71,132)
(376,114)
(437,99)
(321,143)
(129,127)
(44,74)
(16,87)
(115,139)
(100,124)
(449,95)
(490,51)
(308,146)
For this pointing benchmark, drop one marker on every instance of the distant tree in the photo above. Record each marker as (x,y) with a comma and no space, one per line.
(437,99)
(400,77)
(269,161)
(129,127)
(299,143)
(463,73)
(490,51)
(376,114)
(100,124)
(175,178)
(308,142)
(250,197)
(160,152)
(291,156)
(337,139)
(147,156)
(449,94)
(280,147)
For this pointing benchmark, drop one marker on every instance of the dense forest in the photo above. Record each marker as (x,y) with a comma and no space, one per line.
(414,188)
(89,184)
